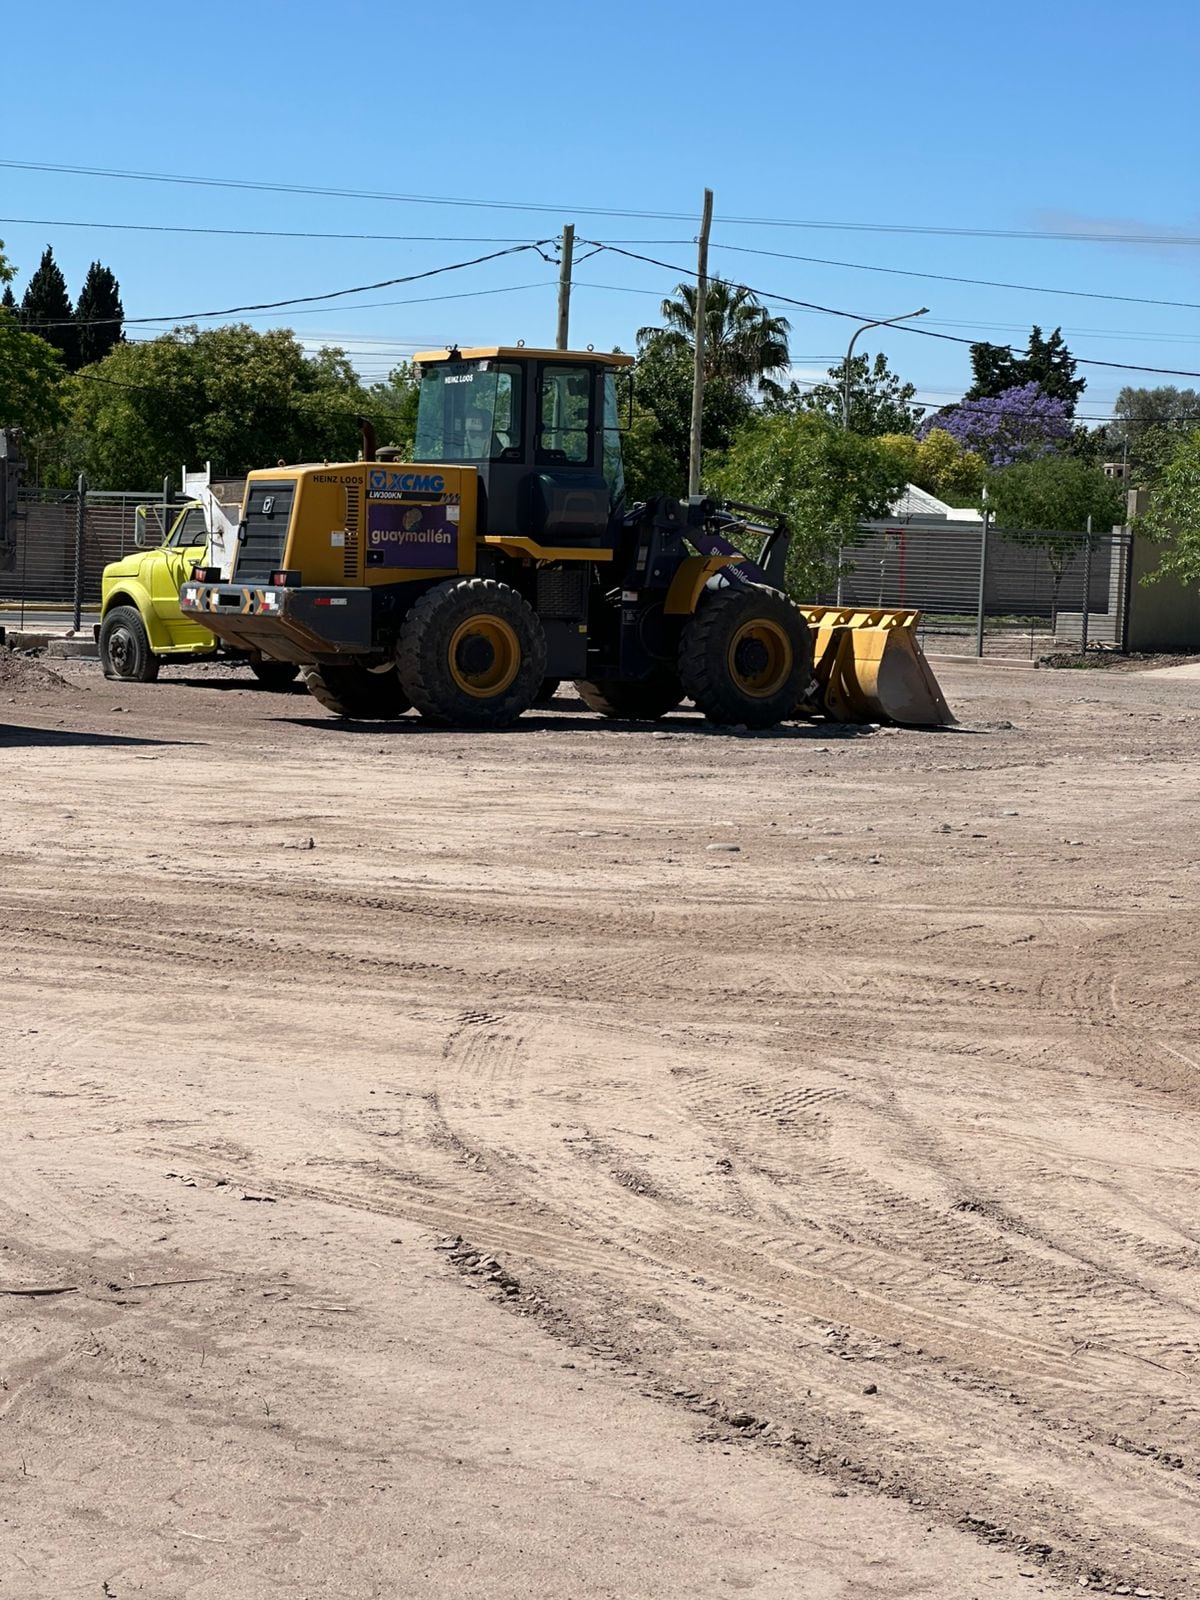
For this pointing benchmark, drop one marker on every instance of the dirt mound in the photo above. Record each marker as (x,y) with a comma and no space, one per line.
(28,675)
(1112,660)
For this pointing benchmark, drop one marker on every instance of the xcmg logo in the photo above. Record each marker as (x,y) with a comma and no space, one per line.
(405,483)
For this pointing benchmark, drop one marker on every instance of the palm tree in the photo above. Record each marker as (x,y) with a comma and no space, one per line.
(743,342)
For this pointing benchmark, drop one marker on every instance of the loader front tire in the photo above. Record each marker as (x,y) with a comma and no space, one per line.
(746,657)
(125,651)
(349,689)
(471,654)
(638,700)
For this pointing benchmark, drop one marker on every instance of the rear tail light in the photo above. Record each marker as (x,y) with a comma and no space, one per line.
(285,578)
(206,574)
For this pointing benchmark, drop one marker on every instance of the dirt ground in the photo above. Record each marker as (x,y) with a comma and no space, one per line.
(595,1161)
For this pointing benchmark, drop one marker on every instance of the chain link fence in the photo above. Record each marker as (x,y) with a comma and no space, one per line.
(980,591)
(65,538)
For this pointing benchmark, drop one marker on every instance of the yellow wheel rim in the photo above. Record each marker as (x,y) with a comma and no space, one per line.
(484,656)
(760,658)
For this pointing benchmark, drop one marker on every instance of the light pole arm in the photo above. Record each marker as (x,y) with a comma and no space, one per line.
(883,322)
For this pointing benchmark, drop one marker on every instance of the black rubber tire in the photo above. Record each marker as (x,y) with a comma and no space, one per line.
(639,700)
(349,689)
(125,652)
(705,657)
(276,675)
(428,673)
(549,688)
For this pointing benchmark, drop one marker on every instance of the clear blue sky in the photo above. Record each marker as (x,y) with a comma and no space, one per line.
(1053,117)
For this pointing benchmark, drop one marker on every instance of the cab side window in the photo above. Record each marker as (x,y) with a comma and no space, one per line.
(564,415)
(191,530)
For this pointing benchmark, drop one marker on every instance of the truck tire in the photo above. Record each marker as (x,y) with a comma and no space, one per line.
(349,689)
(640,700)
(746,657)
(276,675)
(471,654)
(549,688)
(125,651)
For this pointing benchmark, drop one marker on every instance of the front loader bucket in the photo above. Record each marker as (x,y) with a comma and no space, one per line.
(869,667)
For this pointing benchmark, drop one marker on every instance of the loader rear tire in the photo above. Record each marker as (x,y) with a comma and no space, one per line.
(746,657)
(471,654)
(640,700)
(125,651)
(349,689)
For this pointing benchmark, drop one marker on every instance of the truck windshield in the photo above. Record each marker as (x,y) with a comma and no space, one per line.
(469,411)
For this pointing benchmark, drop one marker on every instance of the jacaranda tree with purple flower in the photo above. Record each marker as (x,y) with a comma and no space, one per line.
(1021,424)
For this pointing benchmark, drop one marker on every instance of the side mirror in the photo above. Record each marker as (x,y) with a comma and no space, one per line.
(139,527)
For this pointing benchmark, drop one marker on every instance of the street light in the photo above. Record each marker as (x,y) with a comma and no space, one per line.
(884,322)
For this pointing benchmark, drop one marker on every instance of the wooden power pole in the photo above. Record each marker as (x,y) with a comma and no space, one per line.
(564,286)
(698,374)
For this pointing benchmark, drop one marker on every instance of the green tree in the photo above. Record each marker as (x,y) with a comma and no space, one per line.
(8,300)
(939,464)
(1046,362)
(1056,493)
(233,396)
(743,343)
(1052,497)
(394,402)
(879,401)
(825,480)
(657,445)
(30,368)
(1173,519)
(1146,427)
(46,310)
(99,313)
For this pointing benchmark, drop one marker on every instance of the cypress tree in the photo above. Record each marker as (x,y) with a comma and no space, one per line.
(46,310)
(99,313)
(7,299)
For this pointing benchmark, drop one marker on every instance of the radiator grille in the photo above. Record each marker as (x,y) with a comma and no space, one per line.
(563,591)
(264,530)
(350,553)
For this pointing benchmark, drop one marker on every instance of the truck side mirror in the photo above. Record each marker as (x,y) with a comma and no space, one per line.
(139,527)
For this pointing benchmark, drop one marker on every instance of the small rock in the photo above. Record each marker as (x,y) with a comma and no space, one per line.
(732,848)
(871,1388)
(742,1419)
(874,861)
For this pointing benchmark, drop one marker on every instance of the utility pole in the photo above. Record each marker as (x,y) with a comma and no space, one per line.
(564,285)
(698,372)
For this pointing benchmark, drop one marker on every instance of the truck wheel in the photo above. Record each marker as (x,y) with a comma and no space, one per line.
(641,700)
(349,689)
(746,657)
(549,688)
(472,653)
(275,674)
(125,651)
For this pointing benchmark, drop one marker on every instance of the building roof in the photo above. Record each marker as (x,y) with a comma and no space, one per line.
(916,502)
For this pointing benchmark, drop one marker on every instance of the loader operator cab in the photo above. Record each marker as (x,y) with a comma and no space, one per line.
(540,427)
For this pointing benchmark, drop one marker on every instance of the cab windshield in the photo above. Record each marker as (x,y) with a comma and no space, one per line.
(469,411)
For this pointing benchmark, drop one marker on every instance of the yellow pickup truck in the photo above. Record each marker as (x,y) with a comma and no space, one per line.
(141,625)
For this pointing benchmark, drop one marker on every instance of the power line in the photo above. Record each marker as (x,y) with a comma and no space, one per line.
(483,238)
(299,300)
(262,186)
(945,277)
(285,233)
(901,327)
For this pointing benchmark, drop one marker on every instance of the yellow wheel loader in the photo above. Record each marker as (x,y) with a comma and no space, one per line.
(502,556)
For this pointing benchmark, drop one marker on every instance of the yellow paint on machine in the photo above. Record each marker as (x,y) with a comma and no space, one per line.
(869,666)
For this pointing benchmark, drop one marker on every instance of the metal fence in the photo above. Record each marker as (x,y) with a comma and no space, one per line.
(65,539)
(980,591)
(985,592)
